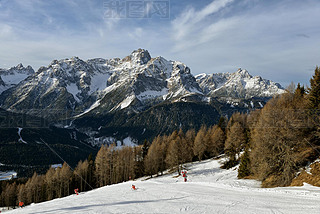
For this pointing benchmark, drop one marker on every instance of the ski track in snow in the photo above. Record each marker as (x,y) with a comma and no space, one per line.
(20,138)
(209,190)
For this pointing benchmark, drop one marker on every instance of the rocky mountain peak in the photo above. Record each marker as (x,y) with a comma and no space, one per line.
(19,66)
(134,83)
(18,69)
(239,84)
(12,76)
(140,56)
(242,73)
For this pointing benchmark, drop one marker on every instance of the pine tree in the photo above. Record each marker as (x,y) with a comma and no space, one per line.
(244,168)
(314,90)
(300,91)
(145,147)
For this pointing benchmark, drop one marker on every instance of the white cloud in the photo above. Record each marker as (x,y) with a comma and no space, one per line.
(263,37)
(136,34)
(191,27)
(5,31)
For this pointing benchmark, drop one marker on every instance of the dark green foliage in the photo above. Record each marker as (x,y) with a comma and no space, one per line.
(244,168)
(229,164)
(223,123)
(145,148)
(314,90)
(36,155)
(300,91)
(160,119)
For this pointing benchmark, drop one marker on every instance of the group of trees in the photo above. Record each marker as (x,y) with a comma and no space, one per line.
(283,136)
(172,151)
(56,183)
(271,144)
(114,165)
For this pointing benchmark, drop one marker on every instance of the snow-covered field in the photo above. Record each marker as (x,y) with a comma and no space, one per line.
(7,175)
(209,190)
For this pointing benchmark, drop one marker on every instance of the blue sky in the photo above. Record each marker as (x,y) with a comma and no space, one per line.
(276,39)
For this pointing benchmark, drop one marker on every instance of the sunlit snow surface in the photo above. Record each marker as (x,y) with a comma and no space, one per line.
(209,190)
(7,175)
(14,79)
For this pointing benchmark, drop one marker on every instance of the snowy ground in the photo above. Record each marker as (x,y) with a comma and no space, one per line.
(7,175)
(209,190)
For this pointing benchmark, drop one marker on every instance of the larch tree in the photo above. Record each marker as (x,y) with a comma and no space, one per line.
(65,179)
(279,140)
(102,167)
(174,154)
(81,173)
(199,147)
(50,184)
(151,163)
(216,140)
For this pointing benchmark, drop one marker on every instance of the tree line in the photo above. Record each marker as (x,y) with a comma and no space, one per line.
(270,144)
(114,165)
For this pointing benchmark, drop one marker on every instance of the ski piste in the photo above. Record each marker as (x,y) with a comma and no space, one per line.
(209,189)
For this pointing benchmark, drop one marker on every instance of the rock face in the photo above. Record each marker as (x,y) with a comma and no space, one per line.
(1,82)
(237,85)
(101,101)
(11,77)
(73,87)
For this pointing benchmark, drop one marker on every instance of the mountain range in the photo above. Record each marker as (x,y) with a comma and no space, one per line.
(127,100)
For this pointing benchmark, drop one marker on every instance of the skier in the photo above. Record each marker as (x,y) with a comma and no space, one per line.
(76,191)
(21,204)
(184,175)
(133,187)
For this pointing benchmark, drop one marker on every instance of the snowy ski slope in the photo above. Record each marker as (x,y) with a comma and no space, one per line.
(209,190)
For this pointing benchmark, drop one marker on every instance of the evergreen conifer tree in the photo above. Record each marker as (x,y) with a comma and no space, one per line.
(314,90)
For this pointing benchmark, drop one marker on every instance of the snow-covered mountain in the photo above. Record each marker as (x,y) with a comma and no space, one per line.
(134,83)
(239,84)
(12,76)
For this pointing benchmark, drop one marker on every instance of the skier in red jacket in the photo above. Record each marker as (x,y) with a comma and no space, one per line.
(21,204)
(133,187)
(76,191)
(184,175)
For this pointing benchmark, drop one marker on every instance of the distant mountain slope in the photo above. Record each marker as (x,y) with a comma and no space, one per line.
(237,85)
(11,77)
(27,142)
